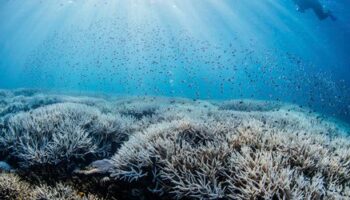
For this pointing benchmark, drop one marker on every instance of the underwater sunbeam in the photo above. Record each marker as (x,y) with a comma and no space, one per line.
(174,99)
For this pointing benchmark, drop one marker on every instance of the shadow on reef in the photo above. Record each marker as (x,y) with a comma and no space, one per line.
(78,147)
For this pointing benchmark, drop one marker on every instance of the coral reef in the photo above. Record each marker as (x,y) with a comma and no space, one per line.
(62,133)
(248,105)
(79,147)
(13,188)
(242,160)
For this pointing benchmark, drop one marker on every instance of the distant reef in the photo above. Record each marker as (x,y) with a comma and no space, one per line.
(61,146)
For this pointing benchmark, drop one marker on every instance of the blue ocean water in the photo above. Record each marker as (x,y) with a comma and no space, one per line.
(200,49)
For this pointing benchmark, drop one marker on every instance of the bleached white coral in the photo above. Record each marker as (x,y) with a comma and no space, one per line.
(61,192)
(62,133)
(235,156)
(13,188)
(250,105)
(177,148)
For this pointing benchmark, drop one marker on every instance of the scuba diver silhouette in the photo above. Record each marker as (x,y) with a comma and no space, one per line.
(316,6)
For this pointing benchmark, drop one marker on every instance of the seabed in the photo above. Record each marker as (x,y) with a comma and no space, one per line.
(59,146)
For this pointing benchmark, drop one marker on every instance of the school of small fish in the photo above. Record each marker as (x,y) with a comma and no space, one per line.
(128,58)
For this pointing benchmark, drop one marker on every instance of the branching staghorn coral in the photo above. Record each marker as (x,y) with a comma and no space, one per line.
(249,105)
(238,157)
(61,192)
(13,188)
(172,148)
(62,133)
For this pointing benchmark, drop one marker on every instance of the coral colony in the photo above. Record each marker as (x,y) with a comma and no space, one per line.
(56,146)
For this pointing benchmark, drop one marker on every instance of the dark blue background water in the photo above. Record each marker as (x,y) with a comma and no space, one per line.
(218,49)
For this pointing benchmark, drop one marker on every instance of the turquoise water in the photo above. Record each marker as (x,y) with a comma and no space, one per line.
(174,99)
(199,49)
